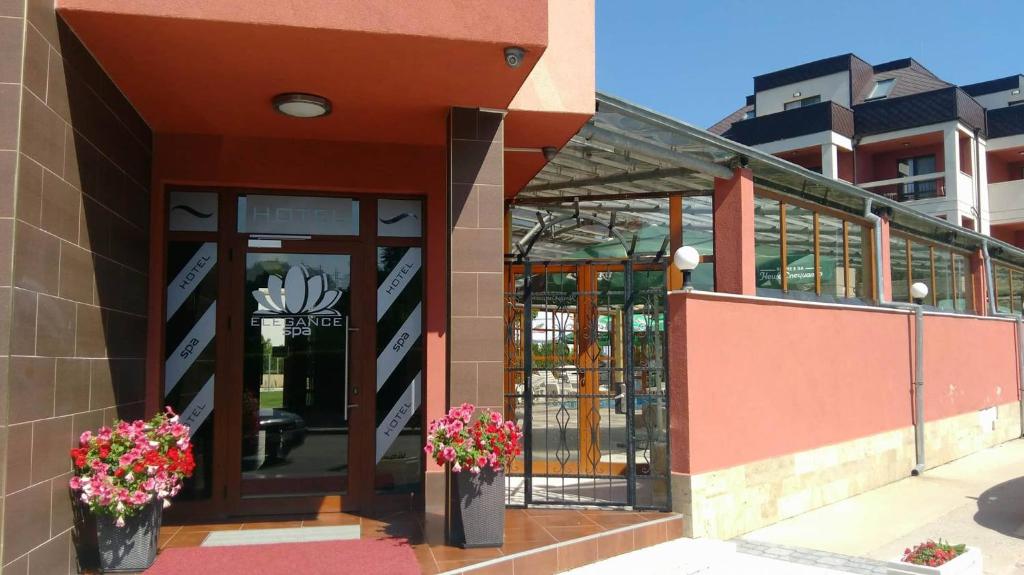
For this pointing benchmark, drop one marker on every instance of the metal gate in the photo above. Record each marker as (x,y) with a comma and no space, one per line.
(585,377)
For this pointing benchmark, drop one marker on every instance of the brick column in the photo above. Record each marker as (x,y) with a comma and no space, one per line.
(734,233)
(979,285)
(476,219)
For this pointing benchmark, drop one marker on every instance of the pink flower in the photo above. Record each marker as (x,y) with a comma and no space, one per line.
(495,418)
(448,453)
(75,482)
(456,468)
(85,437)
(428,449)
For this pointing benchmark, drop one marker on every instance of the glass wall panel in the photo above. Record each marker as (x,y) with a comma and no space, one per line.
(859,242)
(1002,289)
(768,244)
(800,259)
(699,232)
(898,269)
(1016,290)
(191,351)
(831,257)
(964,300)
(943,287)
(921,268)
(398,418)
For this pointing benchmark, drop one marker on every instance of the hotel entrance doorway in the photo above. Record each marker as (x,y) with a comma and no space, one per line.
(303,386)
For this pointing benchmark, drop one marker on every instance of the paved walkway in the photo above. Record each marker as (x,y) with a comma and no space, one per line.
(700,556)
(978,500)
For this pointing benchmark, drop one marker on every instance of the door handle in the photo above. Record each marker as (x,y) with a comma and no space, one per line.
(348,357)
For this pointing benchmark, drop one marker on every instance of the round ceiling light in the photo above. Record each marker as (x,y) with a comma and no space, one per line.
(298,105)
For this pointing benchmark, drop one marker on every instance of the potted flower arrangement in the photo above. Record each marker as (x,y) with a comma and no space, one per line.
(937,558)
(125,475)
(478,452)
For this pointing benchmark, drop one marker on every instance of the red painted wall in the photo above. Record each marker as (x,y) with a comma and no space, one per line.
(883,165)
(755,379)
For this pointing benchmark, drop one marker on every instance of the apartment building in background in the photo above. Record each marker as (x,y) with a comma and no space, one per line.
(897,129)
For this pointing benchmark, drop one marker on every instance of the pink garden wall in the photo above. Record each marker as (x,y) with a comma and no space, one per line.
(754,378)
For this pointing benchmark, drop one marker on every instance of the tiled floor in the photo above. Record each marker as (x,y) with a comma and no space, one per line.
(525,529)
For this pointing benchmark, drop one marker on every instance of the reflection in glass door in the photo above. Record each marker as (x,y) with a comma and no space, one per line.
(295,429)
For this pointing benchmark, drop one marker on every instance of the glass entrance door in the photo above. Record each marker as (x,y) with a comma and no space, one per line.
(296,380)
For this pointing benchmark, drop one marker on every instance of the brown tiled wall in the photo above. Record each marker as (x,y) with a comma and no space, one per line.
(74,205)
(476,200)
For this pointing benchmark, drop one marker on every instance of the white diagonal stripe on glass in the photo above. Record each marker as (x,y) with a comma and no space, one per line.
(190,348)
(199,408)
(392,426)
(190,276)
(399,345)
(396,281)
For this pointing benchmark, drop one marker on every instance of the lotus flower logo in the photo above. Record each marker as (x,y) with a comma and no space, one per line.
(299,293)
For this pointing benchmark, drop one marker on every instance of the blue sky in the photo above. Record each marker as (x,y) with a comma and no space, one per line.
(695,60)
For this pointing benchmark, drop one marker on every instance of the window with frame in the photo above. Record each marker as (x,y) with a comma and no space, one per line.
(881,89)
(1009,288)
(809,100)
(806,253)
(946,272)
(917,166)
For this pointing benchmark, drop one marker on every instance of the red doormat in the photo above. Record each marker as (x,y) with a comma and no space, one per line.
(362,556)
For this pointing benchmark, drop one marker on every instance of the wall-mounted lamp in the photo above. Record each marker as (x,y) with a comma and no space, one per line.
(918,291)
(686,259)
(1015,92)
(796,94)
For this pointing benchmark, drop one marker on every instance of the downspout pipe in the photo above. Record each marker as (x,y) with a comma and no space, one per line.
(990,290)
(918,339)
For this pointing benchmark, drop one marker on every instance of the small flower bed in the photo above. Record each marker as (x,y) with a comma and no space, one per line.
(932,554)
(120,470)
(473,445)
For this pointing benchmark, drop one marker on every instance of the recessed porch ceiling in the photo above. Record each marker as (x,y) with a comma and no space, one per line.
(192,68)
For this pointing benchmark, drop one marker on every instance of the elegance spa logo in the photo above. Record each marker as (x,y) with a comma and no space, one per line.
(301,301)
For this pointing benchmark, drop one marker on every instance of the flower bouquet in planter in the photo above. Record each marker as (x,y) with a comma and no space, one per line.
(478,452)
(125,476)
(937,558)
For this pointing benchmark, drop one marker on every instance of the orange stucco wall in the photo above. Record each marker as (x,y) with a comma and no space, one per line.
(753,379)
(525,22)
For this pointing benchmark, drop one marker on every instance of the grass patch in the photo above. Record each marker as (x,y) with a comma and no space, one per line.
(271,398)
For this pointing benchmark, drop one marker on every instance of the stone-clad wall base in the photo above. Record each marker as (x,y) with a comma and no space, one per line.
(960,435)
(729,502)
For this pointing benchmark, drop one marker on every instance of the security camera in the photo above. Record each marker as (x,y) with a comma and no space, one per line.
(514,56)
(549,154)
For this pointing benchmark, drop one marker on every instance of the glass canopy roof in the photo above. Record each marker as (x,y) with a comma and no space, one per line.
(624,164)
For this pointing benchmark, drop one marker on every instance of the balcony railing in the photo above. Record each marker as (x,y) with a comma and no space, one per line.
(821,117)
(1006,121)
(910,188)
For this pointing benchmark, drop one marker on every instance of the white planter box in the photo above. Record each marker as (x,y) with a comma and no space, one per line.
(968,563)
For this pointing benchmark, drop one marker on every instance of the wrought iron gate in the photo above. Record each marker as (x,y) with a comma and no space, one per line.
(585,376)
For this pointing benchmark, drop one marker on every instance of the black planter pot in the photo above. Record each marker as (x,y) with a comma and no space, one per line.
(478,509)
(132,547)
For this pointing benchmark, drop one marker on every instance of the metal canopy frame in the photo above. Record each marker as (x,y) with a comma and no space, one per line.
(628,159)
